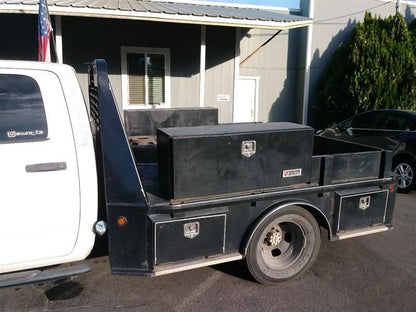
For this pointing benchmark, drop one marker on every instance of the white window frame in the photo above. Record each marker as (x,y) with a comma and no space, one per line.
(124,77)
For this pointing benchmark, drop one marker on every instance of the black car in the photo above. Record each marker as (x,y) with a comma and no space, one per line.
(388,129)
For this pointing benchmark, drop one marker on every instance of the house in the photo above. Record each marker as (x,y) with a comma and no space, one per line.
(252,63)
(191,51)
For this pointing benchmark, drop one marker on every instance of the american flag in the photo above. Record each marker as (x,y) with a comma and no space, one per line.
(44,32)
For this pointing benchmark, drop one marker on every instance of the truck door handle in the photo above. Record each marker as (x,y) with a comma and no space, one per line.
(54,166)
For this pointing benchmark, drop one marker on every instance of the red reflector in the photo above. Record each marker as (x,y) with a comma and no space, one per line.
(392,188)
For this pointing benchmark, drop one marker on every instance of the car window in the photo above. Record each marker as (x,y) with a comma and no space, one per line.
(397,122)
(22,113)
(368,120)
(408,124)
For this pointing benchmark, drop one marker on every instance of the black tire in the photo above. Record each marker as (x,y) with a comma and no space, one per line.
(405,168)
(273,258)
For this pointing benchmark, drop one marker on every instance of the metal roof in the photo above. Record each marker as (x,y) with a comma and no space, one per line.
(190,13)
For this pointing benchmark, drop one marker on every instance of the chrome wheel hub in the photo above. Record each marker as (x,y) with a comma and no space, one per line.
(274,236)
(405,173)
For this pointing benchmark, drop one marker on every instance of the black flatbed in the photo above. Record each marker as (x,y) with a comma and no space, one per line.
(348,189)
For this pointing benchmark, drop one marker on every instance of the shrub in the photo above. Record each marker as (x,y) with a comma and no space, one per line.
(375,69)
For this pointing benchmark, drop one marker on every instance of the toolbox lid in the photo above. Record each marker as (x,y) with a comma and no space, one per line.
(237,128)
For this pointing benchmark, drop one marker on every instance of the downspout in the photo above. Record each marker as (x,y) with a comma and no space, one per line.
(236,67)
(58,38)
(307,7)
(202,66)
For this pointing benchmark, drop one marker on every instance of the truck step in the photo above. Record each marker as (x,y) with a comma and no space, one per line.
(36,276)
(188,265)
(364,231)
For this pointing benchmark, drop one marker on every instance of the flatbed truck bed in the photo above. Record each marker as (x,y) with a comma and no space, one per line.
(350,192)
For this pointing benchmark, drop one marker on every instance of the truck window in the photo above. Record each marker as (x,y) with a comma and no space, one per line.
(22,113)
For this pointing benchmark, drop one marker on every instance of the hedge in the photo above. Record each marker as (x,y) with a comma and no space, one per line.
(375,69)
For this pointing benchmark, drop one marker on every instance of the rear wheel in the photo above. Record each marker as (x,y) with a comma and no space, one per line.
(283,246)
(405,168)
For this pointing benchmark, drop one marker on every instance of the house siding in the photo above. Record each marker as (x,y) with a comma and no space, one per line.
(277,66)
(107,36)
(219,70)
(85,39)
(19,37)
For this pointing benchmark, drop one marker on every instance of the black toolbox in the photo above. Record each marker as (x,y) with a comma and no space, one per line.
(209,160)
(145,121)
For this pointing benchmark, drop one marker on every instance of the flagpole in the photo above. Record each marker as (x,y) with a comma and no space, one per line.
(53,33)
(45,33)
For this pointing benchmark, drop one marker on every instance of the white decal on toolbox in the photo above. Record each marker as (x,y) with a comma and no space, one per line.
(292,173)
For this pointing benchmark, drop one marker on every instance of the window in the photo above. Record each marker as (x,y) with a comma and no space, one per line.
(397,122)
(145,73)
(368,120)
(22,113)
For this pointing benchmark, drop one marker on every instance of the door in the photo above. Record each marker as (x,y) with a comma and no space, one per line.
(245,106)
(40,196)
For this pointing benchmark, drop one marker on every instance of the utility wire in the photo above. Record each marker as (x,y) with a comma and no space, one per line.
(350,14)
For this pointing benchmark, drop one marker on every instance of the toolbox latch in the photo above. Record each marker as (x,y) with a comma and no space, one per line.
(364,202)
(248,148)
(191,230)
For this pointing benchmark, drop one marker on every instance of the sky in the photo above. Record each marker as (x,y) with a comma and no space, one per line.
(293,4)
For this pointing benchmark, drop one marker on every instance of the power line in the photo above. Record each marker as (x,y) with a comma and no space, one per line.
(350,14)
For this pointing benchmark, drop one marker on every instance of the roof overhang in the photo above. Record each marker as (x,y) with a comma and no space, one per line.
(163,12)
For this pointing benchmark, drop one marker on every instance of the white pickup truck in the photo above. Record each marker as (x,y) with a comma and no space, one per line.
(259,192)
(48,175)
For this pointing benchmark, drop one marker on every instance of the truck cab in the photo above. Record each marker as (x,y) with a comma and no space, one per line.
(48,176)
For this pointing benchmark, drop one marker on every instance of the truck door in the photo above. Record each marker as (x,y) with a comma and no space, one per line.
(40,198)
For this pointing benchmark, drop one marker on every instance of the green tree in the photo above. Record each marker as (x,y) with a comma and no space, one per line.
(375,69)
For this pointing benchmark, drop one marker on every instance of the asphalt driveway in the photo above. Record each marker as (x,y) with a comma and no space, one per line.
(370,273)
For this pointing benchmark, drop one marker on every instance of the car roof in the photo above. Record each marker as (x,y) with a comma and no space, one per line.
(408,113)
